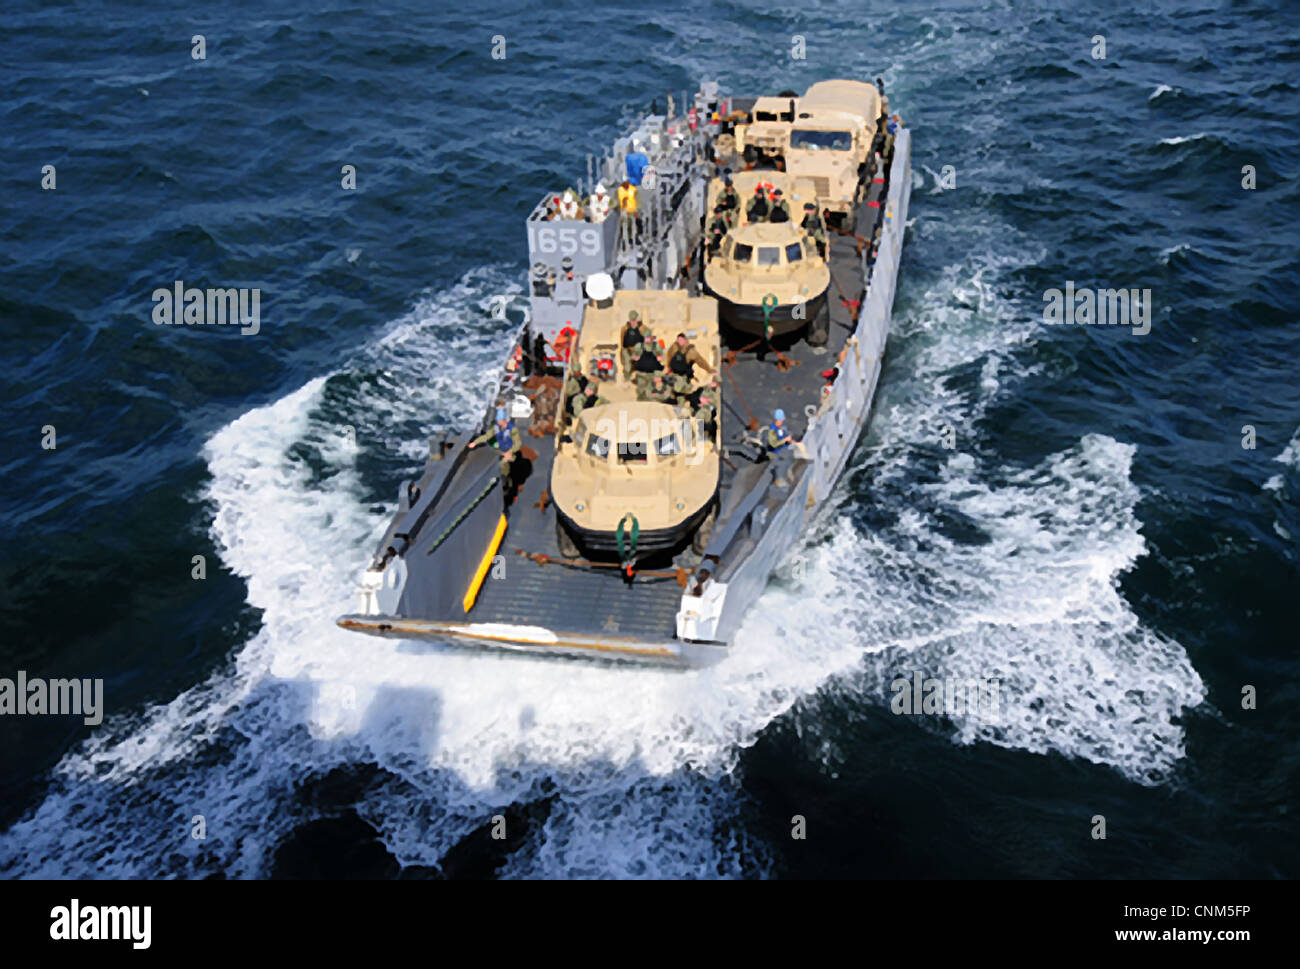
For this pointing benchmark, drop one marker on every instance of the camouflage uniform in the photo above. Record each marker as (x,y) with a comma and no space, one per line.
(812,224)
(717,231)
(662,394)
(644,367)
(574,386)
(682,361)
(625,347)
(587,400)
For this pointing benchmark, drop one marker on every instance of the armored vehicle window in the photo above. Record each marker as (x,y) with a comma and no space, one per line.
(742,252)
(793,252)
(669,445)
(769,255)
(597,447)
(821,140)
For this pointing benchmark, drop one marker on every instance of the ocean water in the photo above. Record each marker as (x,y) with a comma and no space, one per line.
(1099,540)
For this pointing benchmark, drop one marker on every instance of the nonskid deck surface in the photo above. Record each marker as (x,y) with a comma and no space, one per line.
(598,601)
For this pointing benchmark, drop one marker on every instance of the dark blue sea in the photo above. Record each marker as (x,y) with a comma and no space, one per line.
(1099,539)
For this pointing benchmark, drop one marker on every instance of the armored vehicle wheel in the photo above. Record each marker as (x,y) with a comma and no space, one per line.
(700,540)
(568,548)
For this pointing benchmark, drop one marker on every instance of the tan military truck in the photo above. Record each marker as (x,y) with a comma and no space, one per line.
(767,277)
(826,136)
(636,467)
(830,142)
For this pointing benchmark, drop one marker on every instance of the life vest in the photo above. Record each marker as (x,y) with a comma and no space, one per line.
(647,363)
(599,207)
(632,337)
(569,207)
(627,198)
(679,364)
(505,437)
(780,433)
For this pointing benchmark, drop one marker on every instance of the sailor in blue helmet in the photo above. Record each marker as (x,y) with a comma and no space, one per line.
(503,436)
(777,438)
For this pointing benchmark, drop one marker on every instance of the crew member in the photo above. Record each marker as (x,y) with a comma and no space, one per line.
(812,224)
(598,204)
(777,438)
(629,221)
(630,336)
(758,207)
(644,366)
(706,402)
(570,207)
(637,162)
(575,385)
(682,358)
(658,391)
(503,436)
(589,398)
(780,208)
(729,198)
(717,229)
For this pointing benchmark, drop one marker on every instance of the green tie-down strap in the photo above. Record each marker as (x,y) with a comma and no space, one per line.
(626,547)
(769,304)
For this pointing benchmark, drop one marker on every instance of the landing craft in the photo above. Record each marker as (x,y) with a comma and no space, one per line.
(710,525)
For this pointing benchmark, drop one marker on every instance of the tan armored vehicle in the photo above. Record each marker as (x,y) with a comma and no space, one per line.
(765,137)
(767,277)
(631,466)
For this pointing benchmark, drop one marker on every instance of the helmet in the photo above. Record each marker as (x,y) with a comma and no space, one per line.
(600,188)
(501,413)
(778,415)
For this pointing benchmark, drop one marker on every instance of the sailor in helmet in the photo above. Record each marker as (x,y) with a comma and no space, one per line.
(504,436)
(598,204)
(570,207)
(780,208)
(777,438)
(758,207)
